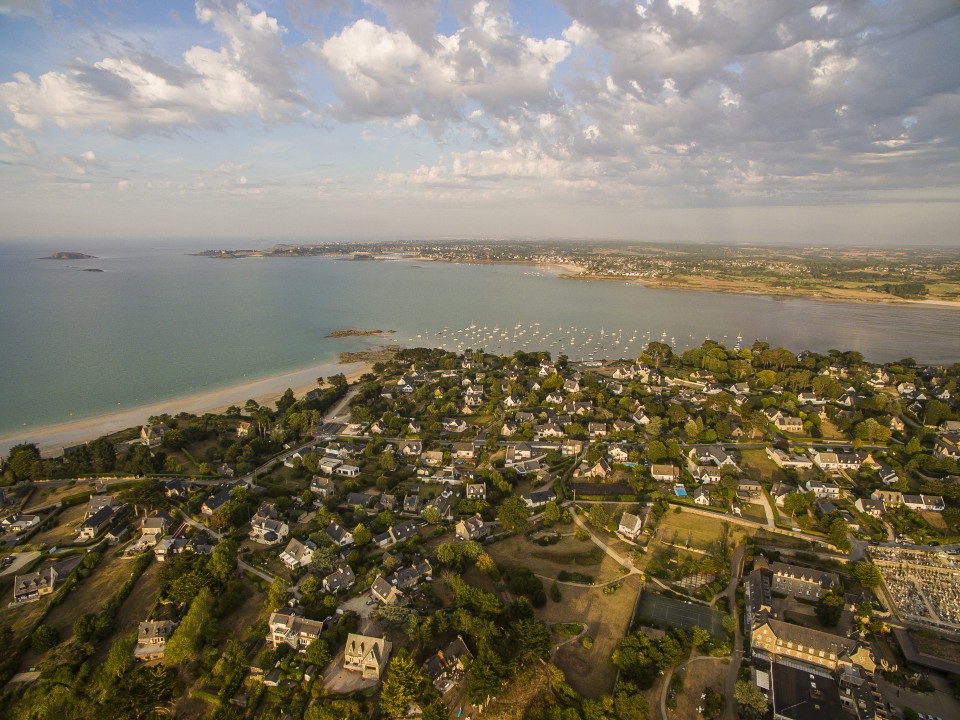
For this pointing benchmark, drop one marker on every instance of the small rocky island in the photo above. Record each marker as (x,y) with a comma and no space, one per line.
(358,333)
(69,256)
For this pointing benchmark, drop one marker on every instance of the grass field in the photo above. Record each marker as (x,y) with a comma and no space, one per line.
(46,496)
(64,532)
(699,675)
(699,531)
(671,613)
(135,608)
(549,561)
(753,511)
(605,618)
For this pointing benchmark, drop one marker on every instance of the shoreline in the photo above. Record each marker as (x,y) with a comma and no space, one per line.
(51,439)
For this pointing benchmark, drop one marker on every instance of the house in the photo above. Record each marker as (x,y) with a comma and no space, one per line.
(340,579)
(411,448)
(339,535)
(797,644)
(758,599)
(889,498)
(454,425)
(836,460)
(18,522)
(243,429)
(476,491)
(177,489)
(443,504)
(631,525)
(539,498)
(152,435)
(448,665)
(432,458)
(802,582)
(548,430)
(665,473)
(347,471)
(597,429)
(780,492)
(384,592)
(366,655)
(268,531)
(751,487)
(472,528)
(554,398)
(820,489)
(329,464)
(155,525)
(464,450)
(291,628)
(618,454)
(397,533)
(601,469)
(508,429)
(35,585)
(322,487)
(411,503)
(97,523)
(96,503)
(928,503)
(215,502)
(571,447)
(947,445)
(869,506)
(707,474)
(512,401)
(152,638)
(701,496)
(298,554)
(789,460)
(788,423)
(359,500)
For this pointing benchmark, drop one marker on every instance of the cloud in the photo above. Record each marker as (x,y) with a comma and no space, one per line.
(138,92)
(381,73)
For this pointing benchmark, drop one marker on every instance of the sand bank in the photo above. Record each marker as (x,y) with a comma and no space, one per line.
(51,439)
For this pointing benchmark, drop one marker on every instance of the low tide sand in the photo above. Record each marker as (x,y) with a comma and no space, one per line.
(52,439)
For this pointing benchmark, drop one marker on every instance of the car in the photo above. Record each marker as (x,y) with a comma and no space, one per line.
(934,543)
(370,601)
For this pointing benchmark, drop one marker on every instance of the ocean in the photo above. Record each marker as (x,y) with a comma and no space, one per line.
(158,323)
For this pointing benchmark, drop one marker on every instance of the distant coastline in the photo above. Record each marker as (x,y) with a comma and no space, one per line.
(571,268)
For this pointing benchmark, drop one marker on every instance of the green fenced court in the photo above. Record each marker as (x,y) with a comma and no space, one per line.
(669,613)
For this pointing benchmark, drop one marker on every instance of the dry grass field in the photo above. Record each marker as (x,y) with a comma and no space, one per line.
(569,554)
(135,608)
(699,531)
(699,675)
(65,530)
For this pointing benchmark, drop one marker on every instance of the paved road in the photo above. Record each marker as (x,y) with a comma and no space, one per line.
(736,562)
(624,562)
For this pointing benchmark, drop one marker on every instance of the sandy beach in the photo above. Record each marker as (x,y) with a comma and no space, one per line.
(51,439)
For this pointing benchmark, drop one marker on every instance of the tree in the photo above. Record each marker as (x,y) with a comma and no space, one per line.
(188,639)
(318,653)
(751,702)
(551,513)
(829,608)
(797,502)
(838,534)
(277,596)
(599,517)
(431,515)
(867,574)
(223,560)
(361,536)
(23,461)
(514,514)
(404,684)
(44,638)
(485,676)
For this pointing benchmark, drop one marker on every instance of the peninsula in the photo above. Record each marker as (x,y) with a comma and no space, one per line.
(894,275)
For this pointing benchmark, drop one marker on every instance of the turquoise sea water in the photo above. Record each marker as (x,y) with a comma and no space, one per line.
(158,323)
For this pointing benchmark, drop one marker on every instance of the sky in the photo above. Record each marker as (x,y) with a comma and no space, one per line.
(774,121)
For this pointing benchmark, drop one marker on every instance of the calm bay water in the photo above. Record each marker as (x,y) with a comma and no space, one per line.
(158,323)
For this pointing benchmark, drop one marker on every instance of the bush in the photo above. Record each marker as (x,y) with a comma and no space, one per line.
(44,638)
